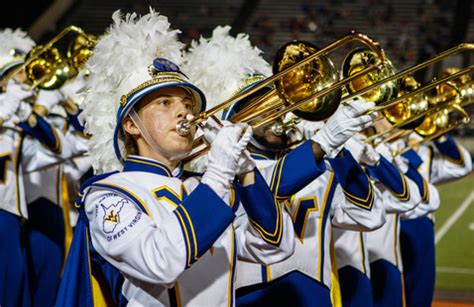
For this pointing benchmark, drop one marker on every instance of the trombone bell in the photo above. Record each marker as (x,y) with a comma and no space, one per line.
(303,82)
(43,69)
(357,60)
(50,66)
(409,107)
(433,123)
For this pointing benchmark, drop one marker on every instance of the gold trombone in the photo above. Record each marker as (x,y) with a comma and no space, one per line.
(308,96)
(439,122)
(420,90)
(305,82)
(45,66)
(449,104)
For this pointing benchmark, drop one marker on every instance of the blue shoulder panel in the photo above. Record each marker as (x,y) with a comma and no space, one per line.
(391,178)
(74,121)
(353,180)
(262,208)
(43,132)
(450,150)
(413,158)
(421,183)
(295,170)
(194,215)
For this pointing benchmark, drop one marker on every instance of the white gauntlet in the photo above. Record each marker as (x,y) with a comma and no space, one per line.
(342,125)
(361,151)
(223,158)
(49,99)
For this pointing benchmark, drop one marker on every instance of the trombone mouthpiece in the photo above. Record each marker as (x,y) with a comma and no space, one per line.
(183,127)
(278,129)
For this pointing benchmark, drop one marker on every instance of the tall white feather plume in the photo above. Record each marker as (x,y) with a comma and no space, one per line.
(120,63)
(218,65)
(13,39)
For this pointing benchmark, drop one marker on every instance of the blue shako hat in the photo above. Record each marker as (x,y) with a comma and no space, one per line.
(164,74)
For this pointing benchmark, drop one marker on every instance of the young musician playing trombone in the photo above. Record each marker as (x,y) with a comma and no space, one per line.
(49,204)
(440,161)
(27,142)
(315,197)
(151,233)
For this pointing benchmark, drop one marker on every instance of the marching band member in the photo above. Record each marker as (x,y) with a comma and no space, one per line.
(79,168)
(21,143)
(152,234)
(375,255)
(315,198)
(441,161)
(49,210)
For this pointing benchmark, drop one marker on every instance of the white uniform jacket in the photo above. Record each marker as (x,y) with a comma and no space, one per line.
(47,182)
(331,199)
(400,194)
(442,161)
(174,241)
(25,149)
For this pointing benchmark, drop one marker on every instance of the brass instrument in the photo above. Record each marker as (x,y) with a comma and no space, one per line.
(422,109)
(439,124)
(357,60)
(304,62)
(408,108)
(46,67)
(286,126)
(451,98)
(305,82)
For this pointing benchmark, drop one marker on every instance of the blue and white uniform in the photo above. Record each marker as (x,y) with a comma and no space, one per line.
(358,254)
(160,239)
(317,200)
(49,208)
(22,149)
(441,161)
(384,244)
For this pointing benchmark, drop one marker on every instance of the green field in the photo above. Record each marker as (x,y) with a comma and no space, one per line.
(455,250)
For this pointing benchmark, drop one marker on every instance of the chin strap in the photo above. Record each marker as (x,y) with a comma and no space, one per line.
(259,146)
(149,139)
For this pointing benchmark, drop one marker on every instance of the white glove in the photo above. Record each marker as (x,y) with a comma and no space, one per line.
(223,158)
(362,151)
(211,128)
(24,111)
(12,98)
(385,150)
(342,125)
(401,163)
(246,163)
(49,99)
(18,91)
(8,107)
(309,128)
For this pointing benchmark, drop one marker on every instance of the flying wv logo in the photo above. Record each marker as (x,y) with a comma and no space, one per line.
(112,216)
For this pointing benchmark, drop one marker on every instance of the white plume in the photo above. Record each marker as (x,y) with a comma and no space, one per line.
(13,39)
(219,65)
(120,63)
